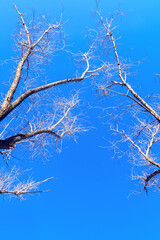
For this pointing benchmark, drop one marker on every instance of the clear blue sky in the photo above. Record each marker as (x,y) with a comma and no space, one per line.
(89,200)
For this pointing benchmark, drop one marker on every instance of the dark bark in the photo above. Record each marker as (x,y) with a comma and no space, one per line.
(152,175)
(10,143)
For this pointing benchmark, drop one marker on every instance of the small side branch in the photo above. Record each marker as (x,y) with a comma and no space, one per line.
(145,156)
(10,185)
(25,26)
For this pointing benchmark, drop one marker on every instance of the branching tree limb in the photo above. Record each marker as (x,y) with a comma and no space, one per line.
(141,130)
(23,117)
(11,185)
(30,112)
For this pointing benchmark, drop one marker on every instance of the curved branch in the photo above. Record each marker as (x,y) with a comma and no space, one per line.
(45,32)
(5,111)
(10,143)
(150,176)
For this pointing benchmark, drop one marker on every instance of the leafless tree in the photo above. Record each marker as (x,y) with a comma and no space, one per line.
(135,120)
(33,115)
(29,113)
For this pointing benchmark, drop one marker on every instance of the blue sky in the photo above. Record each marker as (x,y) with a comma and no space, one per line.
(89,198)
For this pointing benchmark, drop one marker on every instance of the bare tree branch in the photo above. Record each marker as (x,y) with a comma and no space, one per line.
(12,186)
(145,133)
(23,117)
